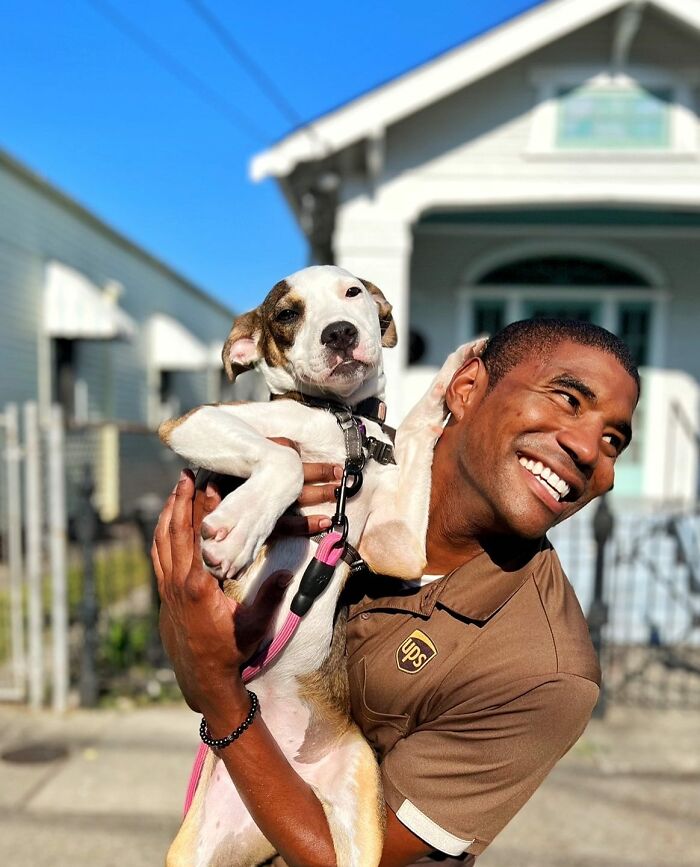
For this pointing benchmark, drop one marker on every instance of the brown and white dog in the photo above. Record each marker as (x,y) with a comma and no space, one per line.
(320,333)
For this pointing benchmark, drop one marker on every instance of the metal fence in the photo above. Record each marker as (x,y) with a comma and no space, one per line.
(639,583)
(78,605)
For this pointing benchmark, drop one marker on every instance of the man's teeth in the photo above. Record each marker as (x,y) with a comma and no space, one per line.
(557,487)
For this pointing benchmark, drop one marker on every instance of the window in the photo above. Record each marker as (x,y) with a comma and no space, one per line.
(565,286)
(613,118)
(489,316)
(634,324)
(585,112)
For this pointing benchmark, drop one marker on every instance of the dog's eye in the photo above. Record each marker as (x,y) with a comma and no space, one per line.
(353,291)
(286,315)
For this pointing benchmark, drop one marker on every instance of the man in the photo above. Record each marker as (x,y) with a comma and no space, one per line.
(470,686)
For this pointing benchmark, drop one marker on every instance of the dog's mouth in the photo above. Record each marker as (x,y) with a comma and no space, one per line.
(346,366)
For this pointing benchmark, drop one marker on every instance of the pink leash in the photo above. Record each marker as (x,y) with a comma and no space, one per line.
(329,551)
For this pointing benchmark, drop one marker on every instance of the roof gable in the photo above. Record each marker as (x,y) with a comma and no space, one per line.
(370,113)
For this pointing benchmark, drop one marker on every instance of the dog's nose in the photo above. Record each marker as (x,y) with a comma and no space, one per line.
(339,335)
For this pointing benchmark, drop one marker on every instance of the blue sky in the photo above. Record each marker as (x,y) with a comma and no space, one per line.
(88,109)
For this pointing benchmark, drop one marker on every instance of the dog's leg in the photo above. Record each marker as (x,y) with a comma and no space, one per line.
(393,542)
(348,786)
(216,438)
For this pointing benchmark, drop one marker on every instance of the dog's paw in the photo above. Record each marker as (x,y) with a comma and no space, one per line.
(233,534)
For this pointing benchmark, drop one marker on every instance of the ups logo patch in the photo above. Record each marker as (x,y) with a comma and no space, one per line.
(415,652)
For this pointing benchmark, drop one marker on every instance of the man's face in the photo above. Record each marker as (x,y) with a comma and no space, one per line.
(543,442)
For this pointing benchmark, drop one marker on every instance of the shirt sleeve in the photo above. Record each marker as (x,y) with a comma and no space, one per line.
(456,781)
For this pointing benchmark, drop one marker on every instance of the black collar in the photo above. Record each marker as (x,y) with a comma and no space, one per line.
(371,408)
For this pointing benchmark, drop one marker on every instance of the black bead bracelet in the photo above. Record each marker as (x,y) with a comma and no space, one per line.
(220,743)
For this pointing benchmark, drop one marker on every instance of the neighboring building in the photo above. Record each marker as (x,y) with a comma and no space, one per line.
(550,166)
(94,322)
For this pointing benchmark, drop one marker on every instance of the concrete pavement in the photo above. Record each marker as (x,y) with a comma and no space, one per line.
(627,795)
(115,801)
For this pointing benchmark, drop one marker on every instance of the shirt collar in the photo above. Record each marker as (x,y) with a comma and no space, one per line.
(475,590)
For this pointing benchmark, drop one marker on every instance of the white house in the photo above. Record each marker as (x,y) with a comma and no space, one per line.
(550,166)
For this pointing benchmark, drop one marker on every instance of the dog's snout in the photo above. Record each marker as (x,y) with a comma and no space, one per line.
(339,335)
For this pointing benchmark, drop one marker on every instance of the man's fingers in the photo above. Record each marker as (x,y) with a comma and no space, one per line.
(302,525)
(161,537)
(181,531)
(312,495)
(317,472)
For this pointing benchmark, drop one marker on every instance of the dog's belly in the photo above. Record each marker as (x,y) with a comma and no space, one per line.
(330,761)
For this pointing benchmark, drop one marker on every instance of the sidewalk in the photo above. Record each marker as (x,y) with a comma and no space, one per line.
(627,795)
(115,801)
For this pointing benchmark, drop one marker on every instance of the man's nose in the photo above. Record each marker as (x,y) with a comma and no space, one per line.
(339,335)
(581,440)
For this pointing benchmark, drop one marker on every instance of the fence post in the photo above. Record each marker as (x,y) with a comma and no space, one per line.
(603,526)
(13,458)
(32,523)
(146,513)
(57,550)
(86,532)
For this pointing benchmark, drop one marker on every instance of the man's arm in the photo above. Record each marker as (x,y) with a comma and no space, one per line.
(208,637)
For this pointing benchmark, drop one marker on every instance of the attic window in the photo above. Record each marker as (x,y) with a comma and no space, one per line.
(614,118)
(583,113)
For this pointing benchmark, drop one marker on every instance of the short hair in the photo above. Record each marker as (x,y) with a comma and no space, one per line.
(520,340)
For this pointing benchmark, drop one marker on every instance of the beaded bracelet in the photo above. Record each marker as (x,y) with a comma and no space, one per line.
(220,743)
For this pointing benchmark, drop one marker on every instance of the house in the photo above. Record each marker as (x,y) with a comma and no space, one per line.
(550,166)
(94,322)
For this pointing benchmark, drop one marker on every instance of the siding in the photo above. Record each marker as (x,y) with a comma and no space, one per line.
(38,224)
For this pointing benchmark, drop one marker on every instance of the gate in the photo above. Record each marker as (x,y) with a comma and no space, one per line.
(651,652)
(33,512)
(12,657)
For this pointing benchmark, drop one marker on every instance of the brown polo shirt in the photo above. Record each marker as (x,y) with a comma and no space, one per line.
(469,688)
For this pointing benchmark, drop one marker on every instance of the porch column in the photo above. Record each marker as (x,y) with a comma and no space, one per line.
(380,251)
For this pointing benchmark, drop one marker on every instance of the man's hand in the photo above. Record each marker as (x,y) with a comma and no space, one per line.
(207,636)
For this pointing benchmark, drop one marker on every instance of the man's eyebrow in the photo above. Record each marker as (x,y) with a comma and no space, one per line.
(570,381)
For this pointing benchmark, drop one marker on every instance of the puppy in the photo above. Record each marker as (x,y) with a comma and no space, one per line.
(317,337)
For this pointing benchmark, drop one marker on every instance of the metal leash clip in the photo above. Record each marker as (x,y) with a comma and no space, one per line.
(321,567)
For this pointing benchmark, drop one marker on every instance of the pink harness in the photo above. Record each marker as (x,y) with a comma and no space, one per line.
(329,551)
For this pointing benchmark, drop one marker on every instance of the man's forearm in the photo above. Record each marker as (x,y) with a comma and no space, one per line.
(282,804)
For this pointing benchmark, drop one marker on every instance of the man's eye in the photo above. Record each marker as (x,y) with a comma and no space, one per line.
(614,441)
(353,291)
(571,399)
(287,315)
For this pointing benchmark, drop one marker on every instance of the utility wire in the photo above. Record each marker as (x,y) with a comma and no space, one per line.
(259,76)
(236,117)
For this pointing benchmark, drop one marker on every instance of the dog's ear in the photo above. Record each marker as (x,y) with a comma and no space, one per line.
(386,320)
(241,348)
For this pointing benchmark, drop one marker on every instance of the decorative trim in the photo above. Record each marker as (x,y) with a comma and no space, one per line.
(424,827)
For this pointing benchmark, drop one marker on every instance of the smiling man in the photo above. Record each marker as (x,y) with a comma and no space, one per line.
(473,685)
(473,682)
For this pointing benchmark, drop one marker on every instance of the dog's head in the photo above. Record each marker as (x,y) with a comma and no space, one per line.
(319,331)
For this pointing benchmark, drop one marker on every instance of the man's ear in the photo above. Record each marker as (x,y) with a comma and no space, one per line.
(386,320)
(467,387)
(241,348)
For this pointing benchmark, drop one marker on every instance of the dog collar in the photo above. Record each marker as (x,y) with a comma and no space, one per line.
(371,408)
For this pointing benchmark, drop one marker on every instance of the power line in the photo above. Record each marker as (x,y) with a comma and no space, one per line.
(236,117)
(259,76)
